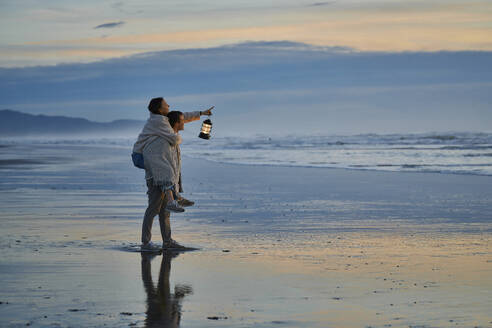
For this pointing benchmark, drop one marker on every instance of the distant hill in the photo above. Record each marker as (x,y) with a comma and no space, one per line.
(14,123)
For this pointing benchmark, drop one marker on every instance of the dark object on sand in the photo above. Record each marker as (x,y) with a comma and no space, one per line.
(216,318)
(206,128)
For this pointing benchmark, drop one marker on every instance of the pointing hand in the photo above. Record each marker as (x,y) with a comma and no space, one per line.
(208,112)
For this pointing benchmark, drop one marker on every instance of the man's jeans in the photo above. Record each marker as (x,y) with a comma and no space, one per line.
(157,205)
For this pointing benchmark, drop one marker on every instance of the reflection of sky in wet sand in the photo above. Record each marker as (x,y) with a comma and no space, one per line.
(285,262)
(423,280)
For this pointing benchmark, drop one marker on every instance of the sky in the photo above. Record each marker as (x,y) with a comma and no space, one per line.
(341,66)
(36,32)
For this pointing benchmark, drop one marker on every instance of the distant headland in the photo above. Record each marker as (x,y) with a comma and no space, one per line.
(18,124)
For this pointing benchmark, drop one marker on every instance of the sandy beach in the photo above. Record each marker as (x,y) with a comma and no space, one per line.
(279,246)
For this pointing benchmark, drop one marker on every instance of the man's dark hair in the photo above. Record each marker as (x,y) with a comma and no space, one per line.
(155,104)
(173,117)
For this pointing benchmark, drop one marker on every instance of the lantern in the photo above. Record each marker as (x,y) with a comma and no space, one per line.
(205,131)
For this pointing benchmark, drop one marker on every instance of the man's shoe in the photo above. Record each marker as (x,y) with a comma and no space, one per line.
(150,247)
(185,202)
(173,245)
(173,206)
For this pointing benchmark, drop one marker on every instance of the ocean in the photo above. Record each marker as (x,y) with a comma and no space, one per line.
(452,153)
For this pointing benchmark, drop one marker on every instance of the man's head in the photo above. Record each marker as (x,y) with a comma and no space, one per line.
(176,120)
(158,106)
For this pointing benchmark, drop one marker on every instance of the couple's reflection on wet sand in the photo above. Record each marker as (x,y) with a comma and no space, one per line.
(163,307)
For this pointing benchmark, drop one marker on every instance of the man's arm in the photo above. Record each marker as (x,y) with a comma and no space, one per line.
(194,116)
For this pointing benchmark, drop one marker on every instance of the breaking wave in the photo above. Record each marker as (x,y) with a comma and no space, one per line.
(457,153)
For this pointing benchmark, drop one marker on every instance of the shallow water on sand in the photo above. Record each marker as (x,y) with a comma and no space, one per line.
(280,247)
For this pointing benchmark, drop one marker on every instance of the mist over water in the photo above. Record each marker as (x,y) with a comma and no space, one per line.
(452,153)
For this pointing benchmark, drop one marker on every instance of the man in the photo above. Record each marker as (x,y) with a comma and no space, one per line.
(176,120)
(155,130)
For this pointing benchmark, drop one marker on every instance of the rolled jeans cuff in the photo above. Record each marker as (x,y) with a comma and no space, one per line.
(165,188)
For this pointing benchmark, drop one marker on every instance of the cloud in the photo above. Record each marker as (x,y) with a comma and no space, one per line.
(363,30)
(271,83)
(369,25)
(319,4)
(110,25)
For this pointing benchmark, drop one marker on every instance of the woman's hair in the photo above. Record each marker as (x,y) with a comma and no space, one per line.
(155,104)
(173,117)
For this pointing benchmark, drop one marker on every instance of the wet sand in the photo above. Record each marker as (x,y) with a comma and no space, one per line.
(280,246)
